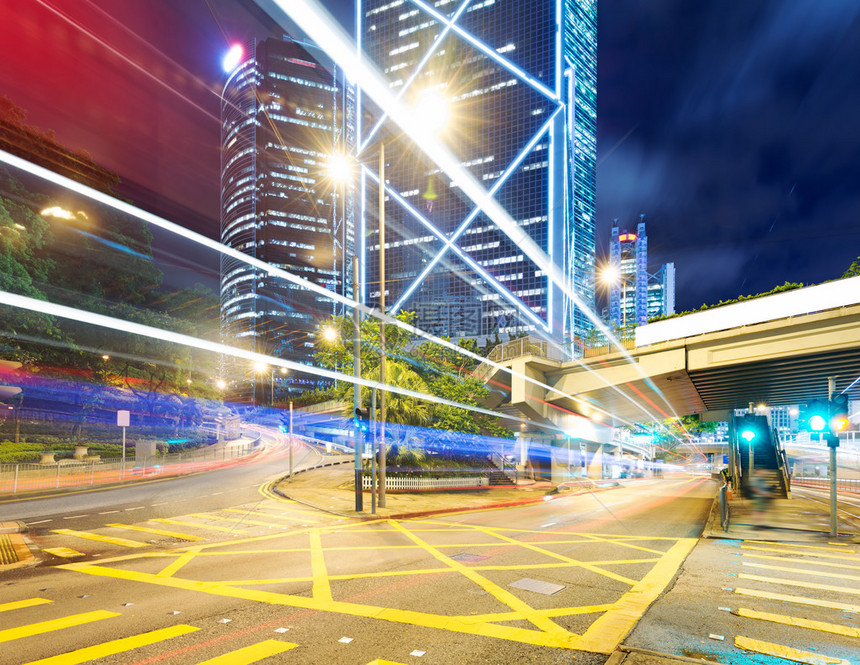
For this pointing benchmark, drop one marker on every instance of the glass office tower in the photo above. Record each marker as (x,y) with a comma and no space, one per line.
(282,119)
(518,77)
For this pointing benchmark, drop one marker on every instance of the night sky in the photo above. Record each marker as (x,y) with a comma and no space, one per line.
(733,126)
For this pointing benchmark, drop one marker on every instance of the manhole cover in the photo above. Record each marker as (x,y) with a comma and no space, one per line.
(469,558)
(537,586)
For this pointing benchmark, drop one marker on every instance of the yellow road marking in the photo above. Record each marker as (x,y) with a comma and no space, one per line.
(180,561)
(157,532)
(608,630)
(263,513)
(800,600)
(251,654)
(780,651)
(822,626)
(87,535)
(583,564)
(63,552)
(322,587)
(114,646)
(790,546)
(397,573)
(233,520)
(552,612)
(812,563)
(54,624)
(383,662)
(205,527)
(805,585)
(20,604)
(804,571)
(817,555)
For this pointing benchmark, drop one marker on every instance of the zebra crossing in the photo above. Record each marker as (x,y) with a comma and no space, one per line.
(190,528)
(18,643)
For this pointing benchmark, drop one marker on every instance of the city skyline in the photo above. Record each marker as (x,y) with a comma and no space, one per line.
(730,127)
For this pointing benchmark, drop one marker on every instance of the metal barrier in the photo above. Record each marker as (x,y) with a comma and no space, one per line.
(724,507)
(851,485)
(418,483)
(15,478)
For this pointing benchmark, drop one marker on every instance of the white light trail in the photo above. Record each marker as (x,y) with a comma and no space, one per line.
(323,30)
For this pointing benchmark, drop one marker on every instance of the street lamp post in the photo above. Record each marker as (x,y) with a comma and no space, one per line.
(382,451)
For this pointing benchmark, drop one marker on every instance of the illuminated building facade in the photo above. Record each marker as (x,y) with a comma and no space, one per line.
(637,295)
(282,119)
(518,77)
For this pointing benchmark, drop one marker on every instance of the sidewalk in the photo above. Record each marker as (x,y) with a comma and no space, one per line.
(332,489)
(787,520)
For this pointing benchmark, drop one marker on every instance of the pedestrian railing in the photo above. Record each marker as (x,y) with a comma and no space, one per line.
(25,477)
(851,485)
(417,483)
(724,507)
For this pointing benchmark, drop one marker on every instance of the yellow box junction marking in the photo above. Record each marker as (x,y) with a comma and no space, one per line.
(615,619)
(63,552)
(800,600)
(234,520)
(383,662)
(263,513)
(100,538)
(20,604)
(251,654)
(157,532)
(205,527)
(115,646)
(780,651)
(822,626)
(54,624)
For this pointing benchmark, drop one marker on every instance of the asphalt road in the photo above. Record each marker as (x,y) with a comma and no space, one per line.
(548,583)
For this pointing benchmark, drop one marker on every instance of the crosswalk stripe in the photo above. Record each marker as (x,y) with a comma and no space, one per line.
(825,564)
(780,651)
(788,547)
(115,646)
(100,538)
(803,571)
(205,527)
(805,585)
(233,520)
(157,532)
(800,600)
(817,555)
(63,552)
(251,654)
(54,624)
(822,626)
(19,604)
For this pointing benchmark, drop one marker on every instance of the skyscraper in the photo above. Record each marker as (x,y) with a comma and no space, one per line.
(635,295)
(282,120)
(518,77)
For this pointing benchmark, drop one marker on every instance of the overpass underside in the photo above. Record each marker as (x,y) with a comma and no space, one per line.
(779,362)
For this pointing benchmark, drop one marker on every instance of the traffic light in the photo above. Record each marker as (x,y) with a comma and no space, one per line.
(359,420)
(815,415)
(748,429)
(839,413)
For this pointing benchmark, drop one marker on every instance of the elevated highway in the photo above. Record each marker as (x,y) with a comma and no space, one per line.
(778,349)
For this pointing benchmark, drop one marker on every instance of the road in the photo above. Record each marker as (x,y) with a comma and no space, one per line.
(518,585)
(570,578)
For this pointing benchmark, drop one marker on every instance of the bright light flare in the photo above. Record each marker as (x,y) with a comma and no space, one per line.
(339,168)
(610,275)
(329,334)
(58,212)
(431,111)
(232,58)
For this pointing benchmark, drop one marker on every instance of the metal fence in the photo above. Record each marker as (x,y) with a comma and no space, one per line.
(851,485)
(418,483)
(15,478)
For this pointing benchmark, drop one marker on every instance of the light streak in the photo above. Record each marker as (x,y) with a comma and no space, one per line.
(321,28)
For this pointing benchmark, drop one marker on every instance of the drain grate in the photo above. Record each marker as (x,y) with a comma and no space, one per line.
(464,557)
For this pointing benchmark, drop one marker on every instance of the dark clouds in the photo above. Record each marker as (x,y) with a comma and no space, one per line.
(744,155)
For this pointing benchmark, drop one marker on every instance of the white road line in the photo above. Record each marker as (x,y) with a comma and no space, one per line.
(74,517)
(163,503)
(216,493)
(40,522)
(109,512)
(136,508)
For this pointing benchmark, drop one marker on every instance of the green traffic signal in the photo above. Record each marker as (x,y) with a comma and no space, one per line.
(748,435)
(817,423)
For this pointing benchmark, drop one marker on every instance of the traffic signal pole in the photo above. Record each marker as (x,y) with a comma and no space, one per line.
(832,442)
(356,390)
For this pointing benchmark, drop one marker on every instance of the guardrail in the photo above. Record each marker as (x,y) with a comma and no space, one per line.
(724,507)
(418,483)
(15,478)
(850,485)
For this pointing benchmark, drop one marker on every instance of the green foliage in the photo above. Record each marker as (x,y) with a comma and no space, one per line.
(853,269)
(787,286)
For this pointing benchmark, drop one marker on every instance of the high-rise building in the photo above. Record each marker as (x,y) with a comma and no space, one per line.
(635,295)
(283,118)
(518,78)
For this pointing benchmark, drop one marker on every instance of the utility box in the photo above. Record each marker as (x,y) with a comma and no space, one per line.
(144,449)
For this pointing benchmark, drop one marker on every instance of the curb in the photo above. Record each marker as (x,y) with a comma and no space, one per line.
(623,652)
(14,551)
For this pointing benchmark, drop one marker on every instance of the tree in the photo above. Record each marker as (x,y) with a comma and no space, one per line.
(853,269)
